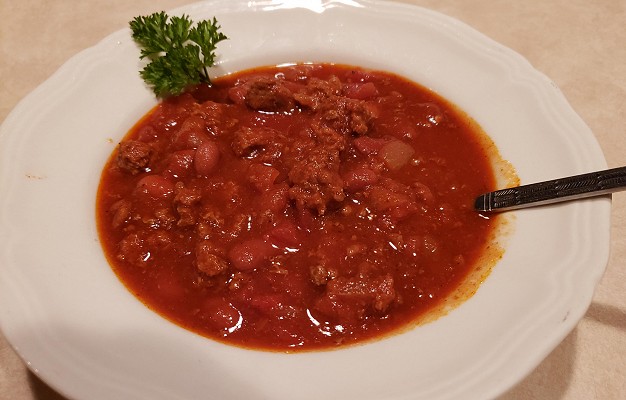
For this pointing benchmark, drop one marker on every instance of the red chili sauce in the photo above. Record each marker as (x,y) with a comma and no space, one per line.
(296,207)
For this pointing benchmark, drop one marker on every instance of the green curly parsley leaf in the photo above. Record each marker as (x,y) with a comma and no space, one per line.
(179,53)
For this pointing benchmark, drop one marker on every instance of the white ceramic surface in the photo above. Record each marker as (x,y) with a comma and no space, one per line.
(78,328)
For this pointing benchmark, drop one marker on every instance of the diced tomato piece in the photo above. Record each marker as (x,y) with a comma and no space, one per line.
(180,164)
(420,245)
(275,199)
(300,72)
(432,114)
(262,177)
(402,211)
(274,305)
(367,145)
(358,75)
(147,133)
(307,220)
(360,91)
(237,94)
(423,192)
(405,129)
(396,153)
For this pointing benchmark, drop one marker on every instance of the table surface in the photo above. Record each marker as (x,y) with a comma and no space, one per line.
(579,44)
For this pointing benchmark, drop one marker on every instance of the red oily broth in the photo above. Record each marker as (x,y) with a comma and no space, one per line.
(300,207)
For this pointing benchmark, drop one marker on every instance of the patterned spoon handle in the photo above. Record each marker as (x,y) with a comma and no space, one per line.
(554,191)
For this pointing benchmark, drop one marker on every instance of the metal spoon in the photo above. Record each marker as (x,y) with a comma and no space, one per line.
(554,191)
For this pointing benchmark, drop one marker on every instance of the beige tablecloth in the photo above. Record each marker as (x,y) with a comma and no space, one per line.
(580,44)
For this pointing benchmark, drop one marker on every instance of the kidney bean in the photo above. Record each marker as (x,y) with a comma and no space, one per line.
(207,158)
(250,254)
(285,234)
(191,134)
(359,178)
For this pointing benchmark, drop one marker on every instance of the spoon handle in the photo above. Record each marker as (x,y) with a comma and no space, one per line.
(554,191)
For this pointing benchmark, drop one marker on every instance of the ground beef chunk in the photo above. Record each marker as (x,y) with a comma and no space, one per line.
(140,248)
(184,202)
(265,94)
(186,196)
(330,139)
(216,120)
(121,212)
(163,217)
(258,143)
(361,115)
(134,156)
(314,171)
(318,92)
(211,222)
(349,116)
(312,157)
(316,181)
(346,115)
(208,259)
(159,239)
(321,273)
(131,249)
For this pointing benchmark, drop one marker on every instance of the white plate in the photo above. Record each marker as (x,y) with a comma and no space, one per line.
(80,330)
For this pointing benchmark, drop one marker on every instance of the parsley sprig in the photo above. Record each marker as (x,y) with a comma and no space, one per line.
(179,53)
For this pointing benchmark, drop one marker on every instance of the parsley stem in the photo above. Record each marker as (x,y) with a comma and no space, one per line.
(206,74)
